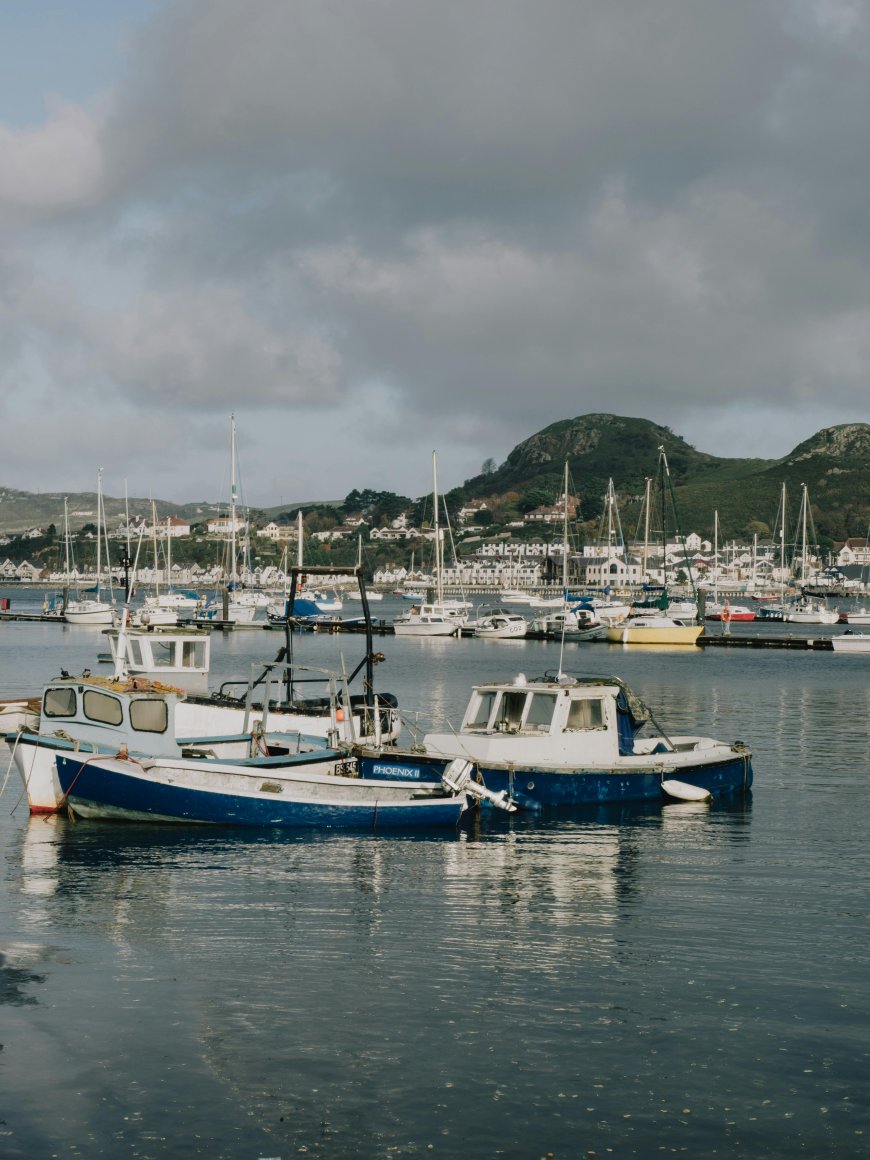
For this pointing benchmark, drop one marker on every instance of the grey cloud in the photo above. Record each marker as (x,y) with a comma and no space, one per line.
(506,212)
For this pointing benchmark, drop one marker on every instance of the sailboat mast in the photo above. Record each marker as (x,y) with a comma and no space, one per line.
(99,524)
(716,556)
(438,586)
(565,538)
(803,533)
(232,568)
(646,505)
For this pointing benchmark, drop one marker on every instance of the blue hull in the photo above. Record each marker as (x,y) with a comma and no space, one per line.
(98,792)
(534,788)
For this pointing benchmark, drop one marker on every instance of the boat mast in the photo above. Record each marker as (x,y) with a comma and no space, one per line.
(233,501)
(803,533)
(154,540)
(565,544)
(646,505)
(716,556)
(438,585)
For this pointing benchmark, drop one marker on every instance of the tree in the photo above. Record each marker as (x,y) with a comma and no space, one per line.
(488,467)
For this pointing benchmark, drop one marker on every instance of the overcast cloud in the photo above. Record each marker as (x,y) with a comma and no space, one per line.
(372,228)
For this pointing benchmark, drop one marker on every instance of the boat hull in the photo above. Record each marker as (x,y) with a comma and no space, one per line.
(682,634)
(851,643)
(125,791)
(535,788)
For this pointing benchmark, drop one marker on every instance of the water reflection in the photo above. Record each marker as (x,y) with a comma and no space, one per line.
(16,980)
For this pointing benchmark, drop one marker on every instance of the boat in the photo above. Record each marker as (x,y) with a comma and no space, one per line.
(515,596)
(499,624)
(438,617)
(587,626)
(128,763)
(427,620)
(118,747)
(857,616)
(563,740)
(810,610)
(654,630)
(726,611)
(84,609)
(851,642)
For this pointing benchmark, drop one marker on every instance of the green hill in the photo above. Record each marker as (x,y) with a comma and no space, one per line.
(834,464)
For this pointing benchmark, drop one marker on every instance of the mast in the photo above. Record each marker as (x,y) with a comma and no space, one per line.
(803,533)
(232,568)
(646,505)
(782,548)
(155,546)
(299,538)
(565,542)
(99,537)
(716,556)
(439,596)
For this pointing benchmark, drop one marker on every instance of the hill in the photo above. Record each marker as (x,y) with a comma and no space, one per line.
(834,464)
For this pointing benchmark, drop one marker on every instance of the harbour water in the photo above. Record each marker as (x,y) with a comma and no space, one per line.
(628,982)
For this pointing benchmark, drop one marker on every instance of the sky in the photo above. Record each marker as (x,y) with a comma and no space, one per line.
(371,229)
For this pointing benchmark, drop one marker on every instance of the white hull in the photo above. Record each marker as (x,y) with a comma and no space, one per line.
(426,628)
(89,612)
(858,642)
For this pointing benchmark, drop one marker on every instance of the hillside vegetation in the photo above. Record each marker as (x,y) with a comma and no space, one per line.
(834,464)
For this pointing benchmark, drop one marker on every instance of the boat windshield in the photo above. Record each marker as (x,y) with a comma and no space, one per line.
(540,712)
(479,718)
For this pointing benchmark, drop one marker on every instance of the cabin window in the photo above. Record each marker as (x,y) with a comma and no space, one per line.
(193,654)
(102,708)
(586,714)
(163,652)
(59,703)
(480,718)
(149,715)
(540,714)
(509,716)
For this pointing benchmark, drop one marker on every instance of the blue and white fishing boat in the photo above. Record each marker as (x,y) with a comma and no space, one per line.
(562,740)
(114,752)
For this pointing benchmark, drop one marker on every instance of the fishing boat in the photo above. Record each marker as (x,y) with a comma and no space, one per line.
(561,740)
(116,751)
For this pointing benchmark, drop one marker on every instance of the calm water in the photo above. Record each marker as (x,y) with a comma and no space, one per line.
(632,982)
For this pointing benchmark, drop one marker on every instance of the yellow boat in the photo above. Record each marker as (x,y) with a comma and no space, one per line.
(654,630)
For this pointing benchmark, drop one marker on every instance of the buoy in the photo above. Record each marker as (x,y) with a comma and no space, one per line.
(684,792)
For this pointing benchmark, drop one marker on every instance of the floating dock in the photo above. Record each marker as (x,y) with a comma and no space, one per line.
(804,643)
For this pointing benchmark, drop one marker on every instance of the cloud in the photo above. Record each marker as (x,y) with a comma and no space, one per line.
(53,167)
(482,217)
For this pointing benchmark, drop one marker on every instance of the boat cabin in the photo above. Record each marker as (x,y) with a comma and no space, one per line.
(178,656)
(109,714)
(549,722)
